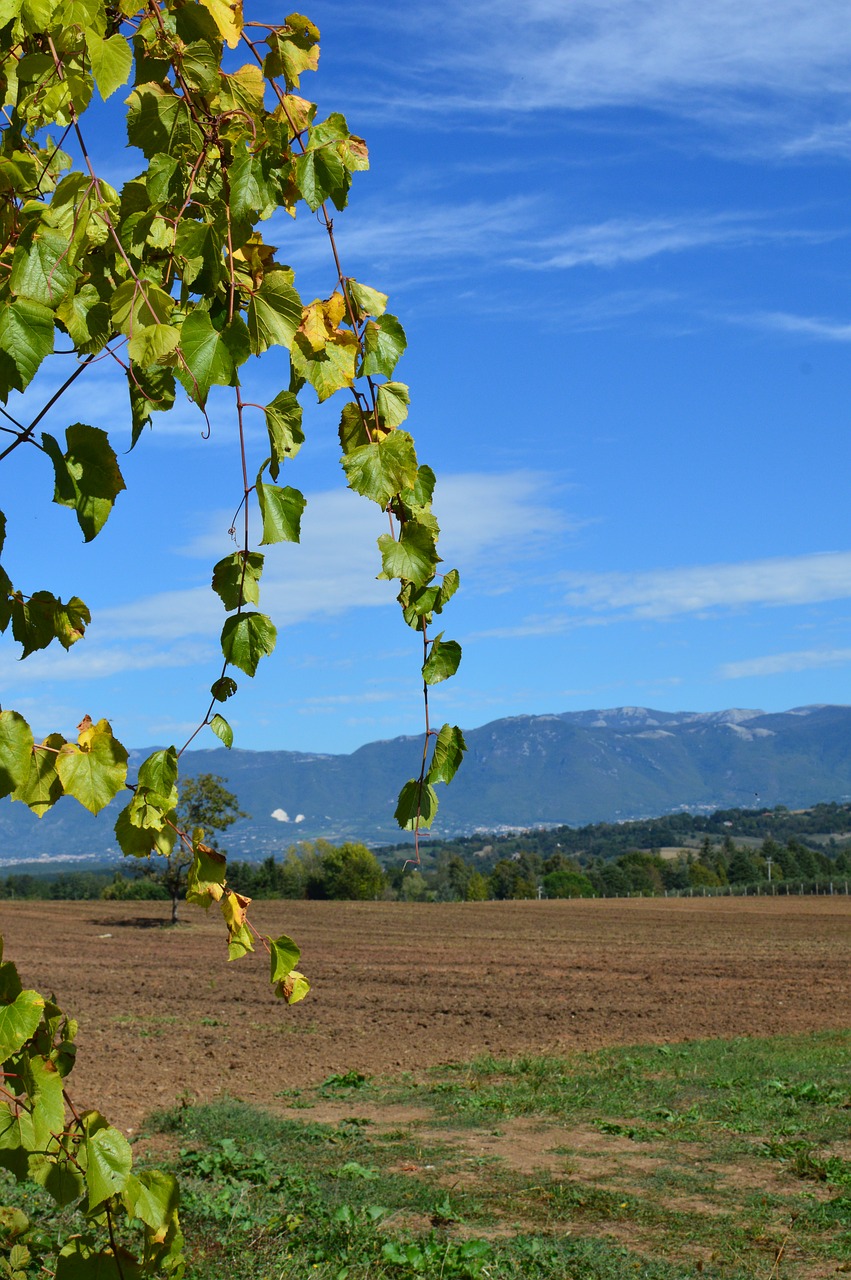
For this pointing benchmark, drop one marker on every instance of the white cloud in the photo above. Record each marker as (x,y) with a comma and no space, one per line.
(618,240)
(808,326)
(775,664)
(332,572)
(664,593)
(592,53)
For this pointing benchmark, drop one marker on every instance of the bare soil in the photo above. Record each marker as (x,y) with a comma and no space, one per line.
(401,987)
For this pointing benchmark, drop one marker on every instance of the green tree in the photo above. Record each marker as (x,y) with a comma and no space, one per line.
(351,871)
(205,808)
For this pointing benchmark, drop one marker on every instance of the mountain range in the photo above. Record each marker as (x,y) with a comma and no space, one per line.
(525,771)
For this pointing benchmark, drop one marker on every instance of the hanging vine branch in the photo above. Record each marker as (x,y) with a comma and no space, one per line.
(171,280)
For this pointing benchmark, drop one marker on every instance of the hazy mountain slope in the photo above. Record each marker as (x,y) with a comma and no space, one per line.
(580,767)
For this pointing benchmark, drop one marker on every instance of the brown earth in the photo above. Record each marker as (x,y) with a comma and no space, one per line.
(401,986)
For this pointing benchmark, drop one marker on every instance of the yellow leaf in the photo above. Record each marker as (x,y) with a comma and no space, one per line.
(227,15)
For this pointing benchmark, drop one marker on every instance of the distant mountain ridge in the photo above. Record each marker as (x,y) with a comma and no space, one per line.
(576,767)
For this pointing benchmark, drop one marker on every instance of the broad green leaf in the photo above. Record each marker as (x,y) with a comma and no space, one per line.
(368,302)
(381,469)
(443,660)
(96,771)
(293,987)
(112,61)
(18,1022)
(274,313)
(223,688)
(284,955)
(136,304)
(16,748)
(227,15)
(281,508)
(449,748)
(384,342)
(159,772)
(153,1197)
(140,842)
(44,1086)
(283,422)
(200,65)
(418,604)
(320,175)
(88,478)
(393,400)
(246,638)
(108,1160)
(222,730)
(450,584)
(417,805)
(422,492)
(236,578)
(41,788)
(70,621)
(208,358)
(293,51)
(26,338)
(42,268)
(352,430)
(159,121)
(413,556)
(153,343)
(80,1259)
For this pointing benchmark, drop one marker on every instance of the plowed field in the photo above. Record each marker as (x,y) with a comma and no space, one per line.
(403,986)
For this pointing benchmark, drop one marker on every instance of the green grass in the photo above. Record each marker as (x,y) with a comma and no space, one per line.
(724,1159)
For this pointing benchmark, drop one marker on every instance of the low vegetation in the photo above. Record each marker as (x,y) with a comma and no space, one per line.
(726,1159)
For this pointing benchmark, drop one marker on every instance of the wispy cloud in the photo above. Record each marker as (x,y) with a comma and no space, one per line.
(331,573)
(592,53)
(806,326)
(665,593)
(775,664)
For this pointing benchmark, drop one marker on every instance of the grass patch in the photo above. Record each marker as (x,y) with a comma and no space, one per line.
(725,1159)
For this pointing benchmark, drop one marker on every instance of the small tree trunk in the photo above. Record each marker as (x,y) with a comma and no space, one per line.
(175,899)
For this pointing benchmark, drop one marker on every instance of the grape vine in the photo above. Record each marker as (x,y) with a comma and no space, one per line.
(171,281)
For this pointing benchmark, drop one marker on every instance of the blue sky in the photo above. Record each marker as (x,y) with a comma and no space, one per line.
(617,234)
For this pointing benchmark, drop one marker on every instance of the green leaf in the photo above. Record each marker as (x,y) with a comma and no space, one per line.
(442,661)
(153,1197)
(16,748)
(222,730)
(384,342)
(112,61)
(108,1160)
(42,788)
(393,400)
(26,338)
(417,805)
(246,638)
(283,422)
(135,304)
(449,748)
(320,174)
(159,772)
(159,120)
(281,509)
(42,267)
(223,688)
(381,469)
(236,578)
(208,358)
(88,478)
(368,302)
(274,313)
(450,584)
(284,955)
(96,771)
(18,1022)
(413,556)
(152,343)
